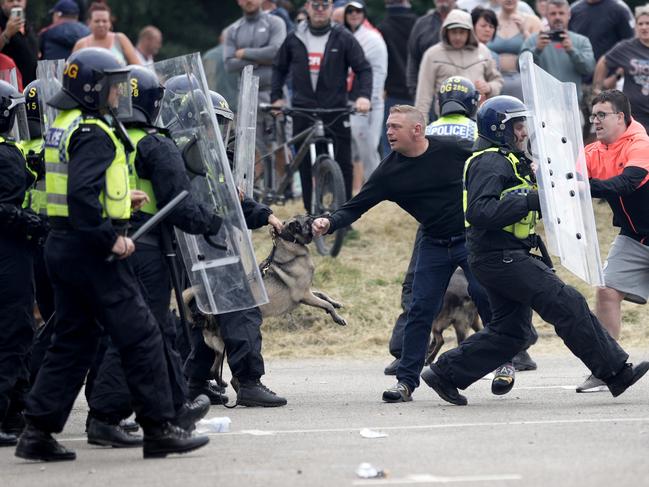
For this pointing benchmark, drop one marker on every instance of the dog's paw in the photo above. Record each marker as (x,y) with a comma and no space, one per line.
(336,304)
(340,320)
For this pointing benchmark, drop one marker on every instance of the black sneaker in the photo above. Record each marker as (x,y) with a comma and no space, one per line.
(399,393)
(522,361)
(214,394)
(628,376)
(256,394)
(104,434)
(503,380)
(443,387)
(170,439)
(391,369)
(35,444)
(8,439)
(191,412)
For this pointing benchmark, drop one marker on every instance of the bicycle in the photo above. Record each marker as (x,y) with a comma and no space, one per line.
(329,185)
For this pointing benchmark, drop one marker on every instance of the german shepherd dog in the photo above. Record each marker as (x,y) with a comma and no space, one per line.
(458,310)
(287,273)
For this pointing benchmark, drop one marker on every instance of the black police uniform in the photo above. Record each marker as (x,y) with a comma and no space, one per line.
(516,284)
(159,161)
(240,330)
(16,278)
(89,291)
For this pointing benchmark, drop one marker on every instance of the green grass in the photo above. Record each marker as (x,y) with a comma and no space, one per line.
(366,277)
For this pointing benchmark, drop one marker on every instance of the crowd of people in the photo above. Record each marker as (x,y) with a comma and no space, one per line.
(444,93)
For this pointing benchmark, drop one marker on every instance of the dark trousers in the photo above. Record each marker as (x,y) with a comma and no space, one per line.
(340,133)
(110,400)
(517,284)
(436,262)
(44,291)
(241,333)
(87,291)
(16,320)
(396,339)
(390,101)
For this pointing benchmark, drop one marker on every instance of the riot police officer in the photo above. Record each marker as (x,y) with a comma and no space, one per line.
(240,330)
(89,205)
(157,168)
(18,226)
(502,208)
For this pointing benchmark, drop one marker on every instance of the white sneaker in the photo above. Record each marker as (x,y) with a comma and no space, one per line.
(592,384)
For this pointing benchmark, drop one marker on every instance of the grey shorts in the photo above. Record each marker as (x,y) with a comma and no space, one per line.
(627,269)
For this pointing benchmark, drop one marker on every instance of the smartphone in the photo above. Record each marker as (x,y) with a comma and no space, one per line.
(556,35)
(17,12)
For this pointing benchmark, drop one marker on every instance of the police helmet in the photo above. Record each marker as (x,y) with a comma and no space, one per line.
(10,99)
(224,115)
(496,119)
(33,107)
(458,95)
(146,96)
(178,106)
(87,79)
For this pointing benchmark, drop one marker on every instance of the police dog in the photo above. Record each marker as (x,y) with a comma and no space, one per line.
(458,310)
(288,272)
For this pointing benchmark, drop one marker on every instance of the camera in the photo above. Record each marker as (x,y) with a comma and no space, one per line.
(555,35)
(17,12)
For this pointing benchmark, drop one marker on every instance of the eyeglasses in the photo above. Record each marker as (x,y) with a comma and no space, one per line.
(600,116)
(320,5)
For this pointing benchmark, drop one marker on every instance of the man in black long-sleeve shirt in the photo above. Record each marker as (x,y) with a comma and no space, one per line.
(423,175)
(502,209)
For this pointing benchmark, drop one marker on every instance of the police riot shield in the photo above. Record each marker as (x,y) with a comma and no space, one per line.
(50,72)
(246,131)
(20,130)
(222,268)
(558,150)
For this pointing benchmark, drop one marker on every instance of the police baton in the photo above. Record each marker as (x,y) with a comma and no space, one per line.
(545,255)
(155,219)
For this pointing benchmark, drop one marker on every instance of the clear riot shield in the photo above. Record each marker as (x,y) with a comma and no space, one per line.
(246,131)
(221,267)
(558,149)
(50,72)
(20,130)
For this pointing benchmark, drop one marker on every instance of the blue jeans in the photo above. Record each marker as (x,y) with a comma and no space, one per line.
(436,261)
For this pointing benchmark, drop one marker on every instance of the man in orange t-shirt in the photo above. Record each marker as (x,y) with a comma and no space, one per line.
(618,168)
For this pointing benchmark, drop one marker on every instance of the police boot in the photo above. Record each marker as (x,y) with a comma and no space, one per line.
(628,376)
(214,394)
(392,367)
(504,378)
(191,412)
(35,444)
(256,394)
(7,439)
(14,423)
(105,434)
(167,438)
(442,386)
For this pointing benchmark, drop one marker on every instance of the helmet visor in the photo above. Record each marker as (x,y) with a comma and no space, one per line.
(20,129)
(119,94)
(518,133)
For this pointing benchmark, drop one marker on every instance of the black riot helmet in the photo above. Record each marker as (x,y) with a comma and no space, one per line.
(458,95)
(224,115)
(88,77)
(182,98)
(146,96)
(33,108)
(497,118)
(10,100)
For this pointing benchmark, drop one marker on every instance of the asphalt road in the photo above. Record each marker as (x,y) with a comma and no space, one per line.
(541,434)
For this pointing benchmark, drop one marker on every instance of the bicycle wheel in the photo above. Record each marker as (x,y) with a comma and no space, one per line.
(329,193)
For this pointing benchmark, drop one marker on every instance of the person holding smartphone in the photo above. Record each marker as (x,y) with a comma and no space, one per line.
(17,38)
(564,54)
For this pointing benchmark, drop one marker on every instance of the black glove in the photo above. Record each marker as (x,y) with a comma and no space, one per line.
(36,162)
(33,225)
(533,201)
(214,225)
(22,222)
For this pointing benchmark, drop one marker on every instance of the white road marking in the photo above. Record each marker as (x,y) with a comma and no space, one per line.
(547,422)
(435,479)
